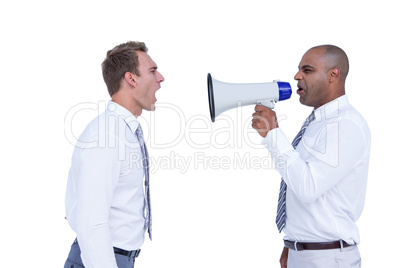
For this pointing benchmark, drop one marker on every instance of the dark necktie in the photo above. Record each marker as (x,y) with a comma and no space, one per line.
(281,210)
(145,162)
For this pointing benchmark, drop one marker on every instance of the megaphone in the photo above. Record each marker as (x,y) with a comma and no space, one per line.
(225,96)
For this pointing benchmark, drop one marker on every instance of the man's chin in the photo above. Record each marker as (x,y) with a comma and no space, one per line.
(151,108)
(303,101)
(306,103)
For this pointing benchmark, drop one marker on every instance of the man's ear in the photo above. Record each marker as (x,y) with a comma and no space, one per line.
(130,79)
(334,74)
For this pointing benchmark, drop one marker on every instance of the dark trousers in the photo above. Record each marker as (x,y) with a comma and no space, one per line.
(74,258)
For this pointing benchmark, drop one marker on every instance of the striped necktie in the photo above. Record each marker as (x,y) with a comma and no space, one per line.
(281,210)
(145,163)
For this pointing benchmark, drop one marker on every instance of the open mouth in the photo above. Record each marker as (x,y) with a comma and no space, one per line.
(299,89)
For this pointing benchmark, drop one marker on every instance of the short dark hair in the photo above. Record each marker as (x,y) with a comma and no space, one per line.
(119,60)
(338,59)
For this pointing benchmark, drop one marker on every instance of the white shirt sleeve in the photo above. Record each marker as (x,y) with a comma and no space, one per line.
(327,157)
(96,177)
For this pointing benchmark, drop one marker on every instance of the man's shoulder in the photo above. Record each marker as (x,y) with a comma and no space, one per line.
(351,113)
(99,129)
(352,121)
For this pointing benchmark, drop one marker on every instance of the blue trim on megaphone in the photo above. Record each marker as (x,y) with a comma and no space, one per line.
(285,90)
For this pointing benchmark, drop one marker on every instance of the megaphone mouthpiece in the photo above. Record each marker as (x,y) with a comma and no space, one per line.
(285,91)
(224,96)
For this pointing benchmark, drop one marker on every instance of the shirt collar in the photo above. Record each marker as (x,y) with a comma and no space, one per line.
(330,109)
(125,114)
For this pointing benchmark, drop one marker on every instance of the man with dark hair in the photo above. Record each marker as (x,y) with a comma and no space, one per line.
(107,197)
(324,179)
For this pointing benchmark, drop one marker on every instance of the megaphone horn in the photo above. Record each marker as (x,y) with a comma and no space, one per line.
(224,96)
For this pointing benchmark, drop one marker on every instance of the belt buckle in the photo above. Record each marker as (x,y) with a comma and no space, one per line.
(137,253)
(298,246)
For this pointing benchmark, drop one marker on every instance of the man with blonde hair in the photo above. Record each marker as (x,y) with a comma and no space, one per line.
(107,197)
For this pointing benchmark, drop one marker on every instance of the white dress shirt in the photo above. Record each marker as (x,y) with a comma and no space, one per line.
(105,198)
(326,175)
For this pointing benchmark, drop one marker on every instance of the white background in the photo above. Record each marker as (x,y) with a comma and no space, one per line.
(211,214)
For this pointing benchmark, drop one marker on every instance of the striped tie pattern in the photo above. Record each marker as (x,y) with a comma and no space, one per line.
(281,210)
(145,163)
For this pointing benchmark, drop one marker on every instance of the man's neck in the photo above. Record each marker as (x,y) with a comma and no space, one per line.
(127,103)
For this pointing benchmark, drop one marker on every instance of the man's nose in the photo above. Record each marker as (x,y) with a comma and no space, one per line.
(297,76)
(160,78)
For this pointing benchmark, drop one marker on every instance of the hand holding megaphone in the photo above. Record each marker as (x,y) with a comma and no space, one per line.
(224,96)
(264,120)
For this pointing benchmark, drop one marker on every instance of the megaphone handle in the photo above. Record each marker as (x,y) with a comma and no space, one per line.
(267,103)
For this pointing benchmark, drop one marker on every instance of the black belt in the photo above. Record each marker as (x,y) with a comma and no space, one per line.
(135,253)
(316,246)
(120,251)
